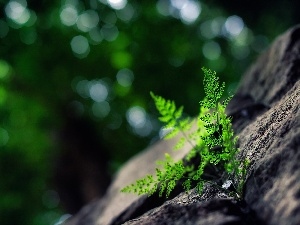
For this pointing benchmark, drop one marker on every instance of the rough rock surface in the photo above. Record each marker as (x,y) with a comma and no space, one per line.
(266,117)
(213,207)
(272,140)
(116,207)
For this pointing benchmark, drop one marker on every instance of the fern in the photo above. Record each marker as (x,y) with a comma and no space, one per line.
(164,180)
(213,142)
(171,116)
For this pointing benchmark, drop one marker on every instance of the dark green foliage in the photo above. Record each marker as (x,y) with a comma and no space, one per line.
(213,142)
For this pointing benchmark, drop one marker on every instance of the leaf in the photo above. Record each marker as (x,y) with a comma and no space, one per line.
(180,143)
(178,113)
(165,119)
(170,187)
(172,133)
(162,188)
(187,184)
(185,124)
(200,186)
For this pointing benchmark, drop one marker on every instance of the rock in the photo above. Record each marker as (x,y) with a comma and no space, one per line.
(266,117)
(272,140)
(213,207)
(116,207)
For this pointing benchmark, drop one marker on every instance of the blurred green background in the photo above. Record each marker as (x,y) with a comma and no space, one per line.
(75,78)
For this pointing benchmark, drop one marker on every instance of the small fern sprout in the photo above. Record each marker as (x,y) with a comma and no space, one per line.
(213,142)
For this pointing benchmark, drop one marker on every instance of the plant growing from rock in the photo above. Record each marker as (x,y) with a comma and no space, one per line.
(213,157)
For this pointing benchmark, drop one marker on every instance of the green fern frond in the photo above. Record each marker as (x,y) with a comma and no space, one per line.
(172,133)
(147,185)
(172,117)
(180,143)
(185,124)
(167,109)
(213,90)
(187,184)
(200,186)
(213,142)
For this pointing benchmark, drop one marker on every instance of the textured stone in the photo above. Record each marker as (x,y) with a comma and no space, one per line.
(212,207)
(266,117)
(272,140)
(116,207)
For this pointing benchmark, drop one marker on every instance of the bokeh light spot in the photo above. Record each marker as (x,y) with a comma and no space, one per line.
(87,20)
(82,88)
(162,7)
(234,25)
(4,69)
(205,30)
(98,91)
(217,24)
(80,46)
(126,14)
(186,10)
(32,20)
(117,4)
(101,109)
(190,11)
(139,121)
(109,32)
(125,77)
(178,4)
(16,10)
(110,18)
(121,60)
(68,15)
(244,38)
(145,130)
(136,116)
(95,35)
(211,50)
(212,28)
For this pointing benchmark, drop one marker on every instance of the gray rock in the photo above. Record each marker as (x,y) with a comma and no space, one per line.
(272,140)
(266,117)
(116,207)
(212,207)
